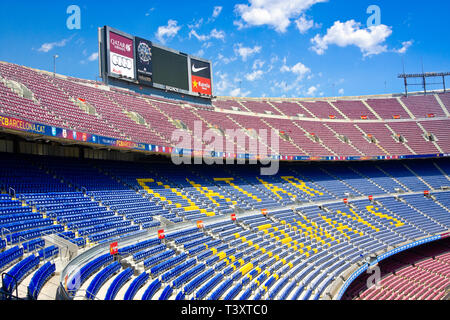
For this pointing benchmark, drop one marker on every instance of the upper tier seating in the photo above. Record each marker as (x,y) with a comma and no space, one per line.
(414,136)
(423,106)
(56,102)
(291,109)
(260,107)
(388,108)
(321,109)
(89,107)
(354,109)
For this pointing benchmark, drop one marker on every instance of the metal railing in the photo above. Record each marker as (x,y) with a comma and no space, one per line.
(9,294)
(12,192)
(8,232)
(73,266)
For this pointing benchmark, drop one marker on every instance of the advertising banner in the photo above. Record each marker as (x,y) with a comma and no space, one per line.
(121,56)
(113,248)
(144,66)
(22,125)
(17,124)
(201,77)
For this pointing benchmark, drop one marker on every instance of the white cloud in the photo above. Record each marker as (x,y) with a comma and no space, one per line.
(207,45)
(217,11)
(303,24)
(274,13)
(239,93)
(199,37)
(217,34)
(214,34)
(405,47)
(274,59)
(199,53)
(47,47)
(239,24)
(258,64)
(369,41)
(197,24)
(284,87)
(255,75)
(341,91)
(225,60)
(222,83)
(149,11)
(245,52)
(300,70)
(167,32)
(93,56)
(311,91)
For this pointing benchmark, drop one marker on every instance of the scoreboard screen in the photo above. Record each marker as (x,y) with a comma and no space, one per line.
(141,62)
(170,68)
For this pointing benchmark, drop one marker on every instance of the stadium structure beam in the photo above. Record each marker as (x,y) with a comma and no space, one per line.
(424,77)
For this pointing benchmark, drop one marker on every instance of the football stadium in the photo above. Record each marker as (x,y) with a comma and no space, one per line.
(143,184)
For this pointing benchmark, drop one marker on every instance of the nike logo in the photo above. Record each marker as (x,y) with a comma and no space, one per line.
(195,70)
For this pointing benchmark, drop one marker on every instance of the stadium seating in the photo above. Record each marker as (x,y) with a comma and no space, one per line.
(88,107)
(388,108)
(118,282)
(100,279)
(136,285)
(354,109)
(39,279)
(321,109)
(300,244)
(425,280)
(18,272)
(416,104)
(308,237)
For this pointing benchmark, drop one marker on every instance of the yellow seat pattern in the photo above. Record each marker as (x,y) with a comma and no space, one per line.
(229,182)
(210,194)
(144,184)
(275,189)
(301,185)
(357,218)
(340,227)
(375,211)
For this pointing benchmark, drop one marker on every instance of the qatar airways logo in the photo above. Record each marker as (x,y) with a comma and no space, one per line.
(121,46)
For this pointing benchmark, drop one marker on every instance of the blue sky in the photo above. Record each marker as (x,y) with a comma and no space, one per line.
(260,48)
